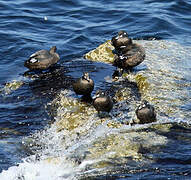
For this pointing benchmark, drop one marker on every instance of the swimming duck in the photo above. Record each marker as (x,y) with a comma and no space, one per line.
(84,85)
(102,102)
(145,113)
(42,59)
(128,54)
(121,41)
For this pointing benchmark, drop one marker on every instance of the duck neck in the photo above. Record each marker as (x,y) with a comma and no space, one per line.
(53,50)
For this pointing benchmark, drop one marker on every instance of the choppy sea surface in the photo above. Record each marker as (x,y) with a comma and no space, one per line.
(46,132)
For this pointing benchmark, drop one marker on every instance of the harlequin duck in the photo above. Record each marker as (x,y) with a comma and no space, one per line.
(102,102)
(42,59)
(145,113)
(84,85)
(130,57)
(128,54)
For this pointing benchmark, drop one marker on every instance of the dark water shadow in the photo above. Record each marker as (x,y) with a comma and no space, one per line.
(49,84)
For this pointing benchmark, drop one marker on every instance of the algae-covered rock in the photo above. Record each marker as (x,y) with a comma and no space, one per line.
(126,144)
(72,113)
(11,86)
(158,79)
(102,53)
(154,81)
(75,116)
(76,119)
(96,145)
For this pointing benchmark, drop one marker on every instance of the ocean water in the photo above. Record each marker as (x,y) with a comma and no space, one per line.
(33,143)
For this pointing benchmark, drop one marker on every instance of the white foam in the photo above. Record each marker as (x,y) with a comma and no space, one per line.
(41,170)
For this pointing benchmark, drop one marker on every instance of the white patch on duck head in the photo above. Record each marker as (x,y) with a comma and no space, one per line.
(33,60)
(121,47)
(98,94)
(122,57)
(86,76)
(142,105)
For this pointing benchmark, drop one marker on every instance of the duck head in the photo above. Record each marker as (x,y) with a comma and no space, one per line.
(121,41)
(53,49)
(86,76)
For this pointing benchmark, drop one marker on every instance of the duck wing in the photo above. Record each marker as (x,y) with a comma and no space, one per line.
(40,56)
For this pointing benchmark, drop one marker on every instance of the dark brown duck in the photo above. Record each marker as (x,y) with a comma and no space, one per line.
(130,57)
(42,59)
(145,113)
(128,54)
(84,85)
(102,102)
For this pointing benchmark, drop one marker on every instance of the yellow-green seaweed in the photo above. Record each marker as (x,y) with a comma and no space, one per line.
(11,86)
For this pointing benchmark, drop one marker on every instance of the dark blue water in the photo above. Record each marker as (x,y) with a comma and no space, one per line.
(74,27)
